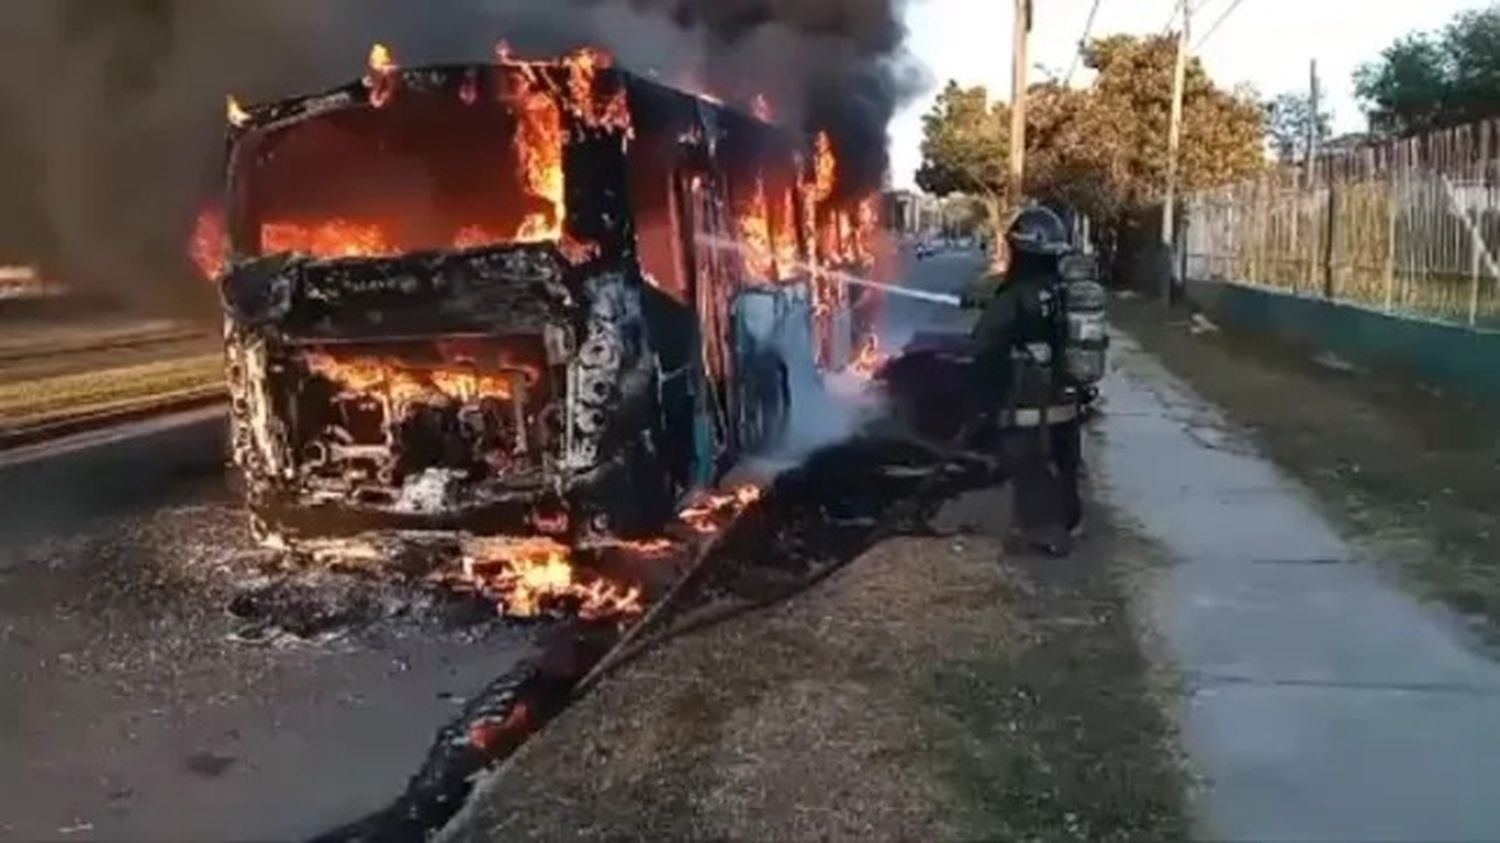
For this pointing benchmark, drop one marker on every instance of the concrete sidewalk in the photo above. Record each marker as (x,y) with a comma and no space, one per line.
(930,690)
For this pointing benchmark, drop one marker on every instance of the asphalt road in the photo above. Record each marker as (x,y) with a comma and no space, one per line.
(945,272)
(136,706)
(1318,698)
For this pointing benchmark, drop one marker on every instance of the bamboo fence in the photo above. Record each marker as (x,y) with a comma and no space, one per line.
(1409,226)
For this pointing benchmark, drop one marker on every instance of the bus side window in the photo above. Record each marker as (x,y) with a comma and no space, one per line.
(657,222)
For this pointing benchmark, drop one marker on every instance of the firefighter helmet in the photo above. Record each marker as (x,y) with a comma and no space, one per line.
(1038,231)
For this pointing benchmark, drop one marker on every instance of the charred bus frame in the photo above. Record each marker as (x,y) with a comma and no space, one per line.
(578,382)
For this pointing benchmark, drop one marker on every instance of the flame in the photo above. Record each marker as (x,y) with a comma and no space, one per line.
(335,238)
(828,239)
(825,166)
(761,107)
(472,236)
(609,110)
(401,384)
(341,238)
(706,516)
(209,247)
(236,115)
(755,234)
(647,547)
(539,147)
(784,236)
(869,360)
(533,576)
(381,60)
(381,80)
(867,223)
(576,251)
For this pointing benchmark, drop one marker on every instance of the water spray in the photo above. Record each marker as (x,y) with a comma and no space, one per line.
(894,289)
(725,244)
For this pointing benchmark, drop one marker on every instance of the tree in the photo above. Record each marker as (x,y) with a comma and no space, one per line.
(1288,119)
(966,148)
(1404,91)
(1101,150)
(965,144)
(1222,131)
(1428,80)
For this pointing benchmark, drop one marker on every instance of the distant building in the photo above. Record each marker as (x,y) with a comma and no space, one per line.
(909,212)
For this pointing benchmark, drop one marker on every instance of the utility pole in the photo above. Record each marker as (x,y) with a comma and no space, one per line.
(1018,99)
(1000,256)
(1312,119)
(1174,140)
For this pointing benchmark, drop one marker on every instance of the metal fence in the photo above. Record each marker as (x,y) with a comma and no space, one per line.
(1409,226)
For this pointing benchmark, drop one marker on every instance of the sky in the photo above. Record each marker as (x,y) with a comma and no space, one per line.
(1266,43)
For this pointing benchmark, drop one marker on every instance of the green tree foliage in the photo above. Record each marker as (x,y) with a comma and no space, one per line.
(1288,119)
(1103,149)
(1425,81)
(965,143)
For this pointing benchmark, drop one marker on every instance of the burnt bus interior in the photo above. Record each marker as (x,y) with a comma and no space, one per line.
(521,297)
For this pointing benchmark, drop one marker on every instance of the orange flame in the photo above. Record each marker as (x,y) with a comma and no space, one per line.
(539,141)
(583,67)
(530,577)
(608,110)
(381,80)
(472,236)
(755,234)
(869,360)
(646,547)
(335,238)
(707,516)
(866,226)
(381,60)
(237,116)
(209,247)
(404,384)
(539,145)
(825,167)
(784,234)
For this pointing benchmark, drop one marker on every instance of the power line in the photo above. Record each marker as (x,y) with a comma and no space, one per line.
(1088,27)
(1171,18)
(1234,4)
(1176,7)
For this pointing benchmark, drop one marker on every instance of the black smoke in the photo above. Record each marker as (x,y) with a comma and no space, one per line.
(114,109)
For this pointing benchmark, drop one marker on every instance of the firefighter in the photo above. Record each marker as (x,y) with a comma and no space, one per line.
(1020,345)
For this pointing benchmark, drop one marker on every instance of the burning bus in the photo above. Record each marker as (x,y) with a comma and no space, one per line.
(521,297)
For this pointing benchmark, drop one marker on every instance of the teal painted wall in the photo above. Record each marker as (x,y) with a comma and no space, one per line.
(1459,358)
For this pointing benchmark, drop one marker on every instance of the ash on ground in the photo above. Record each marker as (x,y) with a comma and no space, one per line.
(196,567)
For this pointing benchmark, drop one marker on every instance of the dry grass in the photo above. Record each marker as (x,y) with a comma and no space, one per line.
(41,400)
(923,693)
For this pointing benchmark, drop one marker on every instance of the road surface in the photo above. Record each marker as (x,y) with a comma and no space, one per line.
(136,706)
(1318,694)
